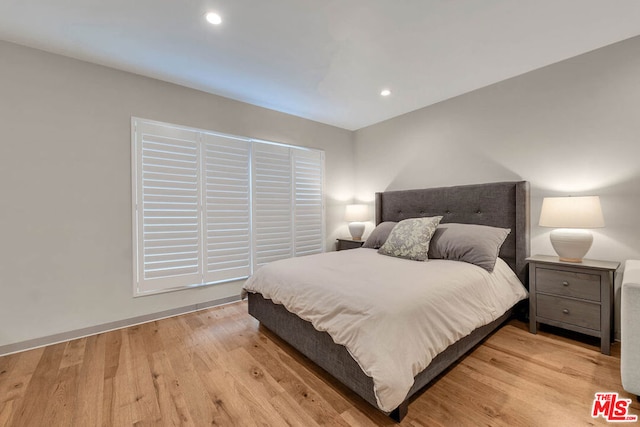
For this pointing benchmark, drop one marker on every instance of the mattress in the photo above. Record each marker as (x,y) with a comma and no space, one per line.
(392,315)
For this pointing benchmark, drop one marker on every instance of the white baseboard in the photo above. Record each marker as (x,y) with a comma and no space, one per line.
(106,327)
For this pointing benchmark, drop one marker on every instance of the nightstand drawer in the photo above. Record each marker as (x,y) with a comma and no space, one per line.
(565,310)
(567,283)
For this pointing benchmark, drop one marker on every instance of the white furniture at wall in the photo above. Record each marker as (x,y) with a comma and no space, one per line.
(630,329)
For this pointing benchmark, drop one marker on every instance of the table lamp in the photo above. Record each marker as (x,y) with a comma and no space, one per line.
(571,216)
(356,214)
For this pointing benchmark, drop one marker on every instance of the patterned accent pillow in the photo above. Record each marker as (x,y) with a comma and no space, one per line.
(410,238)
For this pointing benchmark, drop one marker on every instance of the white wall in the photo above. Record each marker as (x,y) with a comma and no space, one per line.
(569,128)
(65,205)
(65,186)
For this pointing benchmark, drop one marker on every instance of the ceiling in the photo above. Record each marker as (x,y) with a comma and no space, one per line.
(325,60)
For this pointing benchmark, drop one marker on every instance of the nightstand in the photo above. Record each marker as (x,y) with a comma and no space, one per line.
(344,244)
(574,296)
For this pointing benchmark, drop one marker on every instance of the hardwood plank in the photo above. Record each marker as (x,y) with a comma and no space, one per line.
(333,391)
(113,346)
(32,405)
(258,406)
(7,369)
(60,406)
(247,369)
(151,336)
(18,369)
(474,381)
(145,406)
(171,402)
(73,353)
(108,394)
(218,367)
(91,382)
(353,417)
(288,408)
(305,395)
(6,410)
(218,385)
(202,410)
(122,395)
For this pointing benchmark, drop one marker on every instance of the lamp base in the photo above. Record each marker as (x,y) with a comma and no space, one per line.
(571,244)
(356,229)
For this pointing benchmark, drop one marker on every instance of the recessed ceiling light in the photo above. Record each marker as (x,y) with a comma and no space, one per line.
(213,18)
(385,92)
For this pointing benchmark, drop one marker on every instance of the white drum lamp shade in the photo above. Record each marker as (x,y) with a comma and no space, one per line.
(356,214)
(571,216)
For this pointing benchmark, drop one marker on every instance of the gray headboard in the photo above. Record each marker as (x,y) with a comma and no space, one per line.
(498,204)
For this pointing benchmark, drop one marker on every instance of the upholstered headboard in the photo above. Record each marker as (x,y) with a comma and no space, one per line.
(499,204)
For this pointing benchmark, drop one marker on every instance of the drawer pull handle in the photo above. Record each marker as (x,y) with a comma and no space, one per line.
(565,283)
(565,311)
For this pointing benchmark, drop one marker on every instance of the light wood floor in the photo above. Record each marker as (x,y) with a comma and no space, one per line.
(217,367)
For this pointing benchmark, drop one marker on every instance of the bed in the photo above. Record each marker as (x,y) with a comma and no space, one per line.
(504,205)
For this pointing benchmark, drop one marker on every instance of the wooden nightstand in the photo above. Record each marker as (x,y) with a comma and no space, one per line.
(344,244)
(574,296)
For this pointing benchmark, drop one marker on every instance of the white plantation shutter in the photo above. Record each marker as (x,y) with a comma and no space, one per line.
(210,208)
(168,208)
(288,202)
(308,166)
(272,203)
(227,208)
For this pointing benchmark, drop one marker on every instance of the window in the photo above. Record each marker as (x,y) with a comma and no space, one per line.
(210,208)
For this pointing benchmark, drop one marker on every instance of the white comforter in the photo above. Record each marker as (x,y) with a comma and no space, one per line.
(393,315)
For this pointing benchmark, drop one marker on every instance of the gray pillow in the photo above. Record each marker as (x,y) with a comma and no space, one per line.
(379,235)
(475,244)
(410,238)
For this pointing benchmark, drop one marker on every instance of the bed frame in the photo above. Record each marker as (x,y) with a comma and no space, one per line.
(503,204)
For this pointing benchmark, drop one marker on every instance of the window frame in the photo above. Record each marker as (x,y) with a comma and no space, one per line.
(138,193)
